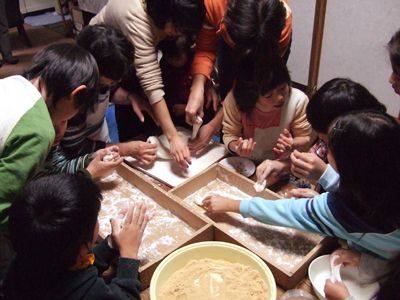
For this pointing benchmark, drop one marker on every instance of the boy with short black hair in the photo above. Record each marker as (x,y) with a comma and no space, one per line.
(35,107)
(53,225)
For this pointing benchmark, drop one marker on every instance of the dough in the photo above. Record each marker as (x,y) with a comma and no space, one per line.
(162,143)
(109,157)
(260,187)
(196,127)
(199,201)
(162,151)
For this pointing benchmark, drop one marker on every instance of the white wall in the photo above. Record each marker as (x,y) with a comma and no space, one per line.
(356,33)
(27,6)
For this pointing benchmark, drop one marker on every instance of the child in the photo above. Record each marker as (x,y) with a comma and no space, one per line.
(88,131)
(335,97)
(364,210)
(234,29)
(260,109)
(53,225)
(61,80)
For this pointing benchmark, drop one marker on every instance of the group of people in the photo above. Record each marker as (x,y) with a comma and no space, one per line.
(53,121)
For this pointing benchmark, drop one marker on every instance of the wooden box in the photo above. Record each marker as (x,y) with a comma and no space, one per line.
(173,227)
(287,252)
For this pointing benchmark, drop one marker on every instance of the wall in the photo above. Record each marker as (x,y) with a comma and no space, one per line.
(27,6)
(355,36)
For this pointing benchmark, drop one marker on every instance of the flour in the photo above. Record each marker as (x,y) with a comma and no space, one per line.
(163,232)
(214,279)
(285,247)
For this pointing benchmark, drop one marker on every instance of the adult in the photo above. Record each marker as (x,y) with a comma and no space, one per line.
(146,23)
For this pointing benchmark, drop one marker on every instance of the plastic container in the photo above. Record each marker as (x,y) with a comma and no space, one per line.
(213,250)
(298,294)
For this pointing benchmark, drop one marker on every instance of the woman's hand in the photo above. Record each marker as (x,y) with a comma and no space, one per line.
(180,152)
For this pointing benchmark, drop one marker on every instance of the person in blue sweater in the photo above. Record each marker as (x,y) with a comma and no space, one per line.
(364,148)
(53,225)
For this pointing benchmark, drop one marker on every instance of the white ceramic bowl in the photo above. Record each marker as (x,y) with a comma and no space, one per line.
(213,250)
(320,270)
(241,165)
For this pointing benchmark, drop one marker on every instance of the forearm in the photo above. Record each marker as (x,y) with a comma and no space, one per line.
(216,122)
(162,114)
(300,142)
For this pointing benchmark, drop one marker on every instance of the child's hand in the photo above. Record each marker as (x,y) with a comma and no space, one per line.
(303,193)
(218,204)
(336,290)
(347,257)
(284,143)
(141,151)
(271,168)
(98,168)
(244,148)
(127,237)
(307,165)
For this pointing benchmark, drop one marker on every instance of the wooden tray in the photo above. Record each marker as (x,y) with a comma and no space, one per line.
(124,181)
(274,245)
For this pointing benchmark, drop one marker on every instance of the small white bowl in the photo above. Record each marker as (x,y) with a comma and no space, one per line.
(320,270)
(213,250)
(241,165)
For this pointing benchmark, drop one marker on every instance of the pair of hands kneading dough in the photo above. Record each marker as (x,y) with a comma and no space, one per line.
(163,152)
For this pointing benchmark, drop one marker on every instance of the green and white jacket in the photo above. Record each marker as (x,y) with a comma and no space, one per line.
(26,137)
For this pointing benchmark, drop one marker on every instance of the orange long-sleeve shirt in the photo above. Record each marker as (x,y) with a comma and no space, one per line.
(207,39)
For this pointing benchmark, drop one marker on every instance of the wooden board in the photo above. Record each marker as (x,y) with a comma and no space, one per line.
(168,172)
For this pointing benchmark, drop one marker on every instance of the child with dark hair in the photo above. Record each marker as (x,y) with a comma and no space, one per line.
(364,210)
(263,110)
(88,131)
(234,30)
(335,97)
(61,80)
(146,23)
(53,225)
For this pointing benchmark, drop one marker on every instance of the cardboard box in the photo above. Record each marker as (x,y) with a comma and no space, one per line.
(202,230)
(255,236)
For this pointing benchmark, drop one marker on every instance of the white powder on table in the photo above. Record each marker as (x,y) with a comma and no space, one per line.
(214,279)
(286,247)
(163,232)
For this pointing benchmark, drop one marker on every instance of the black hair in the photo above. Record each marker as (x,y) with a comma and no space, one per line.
(255,26)
(175,48)
(111,49)
(187,16)
(394,49)
(51,218)
(338,96)
(61,68)
(365,146)
(258,79)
